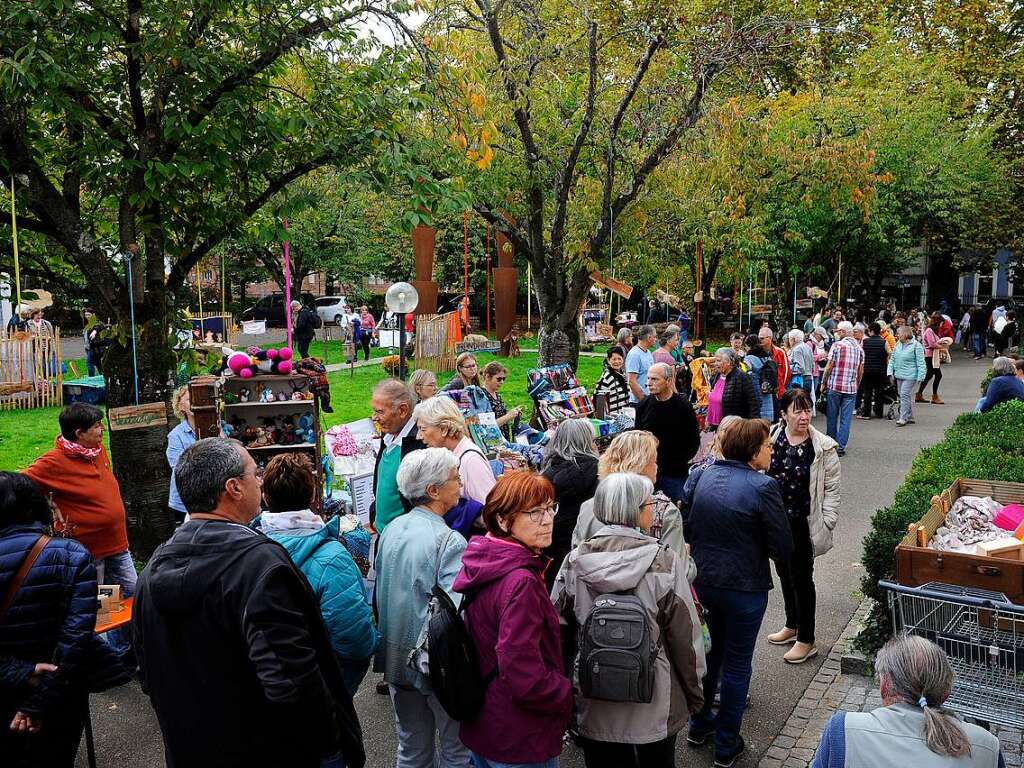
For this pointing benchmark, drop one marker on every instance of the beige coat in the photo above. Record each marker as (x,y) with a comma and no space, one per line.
(825,481)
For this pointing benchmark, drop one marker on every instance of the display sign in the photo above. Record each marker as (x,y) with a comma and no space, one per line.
(475,345)
(761,309)
(137,416)
(804,303)
(361,488)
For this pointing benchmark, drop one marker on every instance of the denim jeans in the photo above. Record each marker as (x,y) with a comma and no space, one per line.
(483,762)
(906,389)
(118,569)
(734,620)
(418,718)
(839,416)
(980,348)
(768,408)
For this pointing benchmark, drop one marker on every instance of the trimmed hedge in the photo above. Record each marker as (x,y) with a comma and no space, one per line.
(987,446)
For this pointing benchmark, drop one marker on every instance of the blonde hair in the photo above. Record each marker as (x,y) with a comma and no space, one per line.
(176,398)
(630,451)
(727,423)
(418,378)
(440,412)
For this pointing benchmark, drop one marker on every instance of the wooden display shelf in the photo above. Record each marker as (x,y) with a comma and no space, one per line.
(272,404)
(280,447)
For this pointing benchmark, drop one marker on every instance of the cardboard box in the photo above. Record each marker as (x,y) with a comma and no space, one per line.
(1007,548)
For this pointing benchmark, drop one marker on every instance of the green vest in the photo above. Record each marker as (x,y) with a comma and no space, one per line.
(388,500)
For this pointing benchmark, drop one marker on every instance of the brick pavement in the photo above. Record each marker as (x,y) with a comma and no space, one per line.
(830,691)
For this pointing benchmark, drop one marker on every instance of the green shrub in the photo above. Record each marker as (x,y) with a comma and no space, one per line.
(984,446)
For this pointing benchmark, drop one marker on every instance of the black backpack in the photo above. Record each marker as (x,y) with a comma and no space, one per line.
(454,665)
(616,655)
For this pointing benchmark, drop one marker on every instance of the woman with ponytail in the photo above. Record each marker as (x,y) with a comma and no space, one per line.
(913,728)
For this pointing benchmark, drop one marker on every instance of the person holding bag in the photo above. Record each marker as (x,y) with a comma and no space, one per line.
(50,657)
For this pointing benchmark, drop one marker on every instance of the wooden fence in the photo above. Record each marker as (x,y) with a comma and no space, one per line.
(30,372)
(436,337)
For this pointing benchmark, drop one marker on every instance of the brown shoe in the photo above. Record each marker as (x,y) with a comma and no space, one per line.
(919,398)
(936,400)
(784,636)
(799,653)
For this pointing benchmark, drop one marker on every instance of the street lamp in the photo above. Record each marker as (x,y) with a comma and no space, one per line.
(401,298)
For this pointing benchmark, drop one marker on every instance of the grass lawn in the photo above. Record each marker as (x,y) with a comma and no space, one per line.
(24,435)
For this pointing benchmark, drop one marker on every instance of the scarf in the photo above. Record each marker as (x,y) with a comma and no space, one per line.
(298,522)
(76,450)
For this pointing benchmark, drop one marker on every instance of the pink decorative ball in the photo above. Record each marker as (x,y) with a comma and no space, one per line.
(245,373)
(284,367)
(285,353)
(272,354)
(238,361)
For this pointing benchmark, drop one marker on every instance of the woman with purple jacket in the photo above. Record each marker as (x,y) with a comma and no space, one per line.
(515,629)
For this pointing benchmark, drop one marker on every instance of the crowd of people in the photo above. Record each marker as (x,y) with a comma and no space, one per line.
(614,598)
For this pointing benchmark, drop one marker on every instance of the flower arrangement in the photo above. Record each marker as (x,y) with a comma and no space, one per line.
(391,364)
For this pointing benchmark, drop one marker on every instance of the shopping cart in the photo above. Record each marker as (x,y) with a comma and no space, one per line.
(982,633)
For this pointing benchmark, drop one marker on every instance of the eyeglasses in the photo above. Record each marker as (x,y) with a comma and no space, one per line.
(500,378)
(538,514)
(467,366)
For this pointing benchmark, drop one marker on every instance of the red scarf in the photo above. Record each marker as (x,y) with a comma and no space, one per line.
(76,450)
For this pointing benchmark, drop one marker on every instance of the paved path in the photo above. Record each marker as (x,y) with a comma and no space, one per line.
(877,459)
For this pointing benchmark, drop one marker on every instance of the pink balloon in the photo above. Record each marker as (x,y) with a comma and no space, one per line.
(245,373)
(238,361)
(284,367)
(285,353)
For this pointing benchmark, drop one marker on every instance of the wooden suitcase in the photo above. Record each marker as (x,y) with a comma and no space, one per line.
(917,565)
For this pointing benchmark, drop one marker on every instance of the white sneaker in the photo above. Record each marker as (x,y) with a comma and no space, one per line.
(901,423)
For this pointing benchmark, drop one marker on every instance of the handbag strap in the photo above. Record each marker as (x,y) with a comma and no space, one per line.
(19,577)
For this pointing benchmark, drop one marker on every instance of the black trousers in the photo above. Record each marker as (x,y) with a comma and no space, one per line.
(56,744)
(303,345)
(872,385)
(605,754)
(365,342)
(796,576)
(934,375)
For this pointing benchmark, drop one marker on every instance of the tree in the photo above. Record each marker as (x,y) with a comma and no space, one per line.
(564,112)
(153,132)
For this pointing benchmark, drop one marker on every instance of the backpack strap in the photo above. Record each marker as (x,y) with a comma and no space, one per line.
(19,577)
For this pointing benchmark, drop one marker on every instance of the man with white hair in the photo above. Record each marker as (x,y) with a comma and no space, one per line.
(392,412)
(842,376)
(669,417)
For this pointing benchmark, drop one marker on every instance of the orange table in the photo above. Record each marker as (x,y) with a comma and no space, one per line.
(116,620)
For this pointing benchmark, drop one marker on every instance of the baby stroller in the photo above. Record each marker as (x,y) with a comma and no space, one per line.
(891,402)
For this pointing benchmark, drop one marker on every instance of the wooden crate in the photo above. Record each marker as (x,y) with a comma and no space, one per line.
(917,565)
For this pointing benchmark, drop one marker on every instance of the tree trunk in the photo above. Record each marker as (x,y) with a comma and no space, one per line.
(138,454)
(560,302)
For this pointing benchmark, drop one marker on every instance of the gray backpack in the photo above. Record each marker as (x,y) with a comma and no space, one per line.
(617,655)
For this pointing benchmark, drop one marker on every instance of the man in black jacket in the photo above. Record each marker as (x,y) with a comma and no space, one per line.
(669,417)
(304,326)
(231,645)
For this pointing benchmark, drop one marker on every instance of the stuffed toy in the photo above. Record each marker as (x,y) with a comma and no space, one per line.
(267,395)
(289,435)
(305,428)
(244,394)
(256,361)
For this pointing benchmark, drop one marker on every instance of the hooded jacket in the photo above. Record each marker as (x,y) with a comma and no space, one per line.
(825,479)
(624,560)
(575,482)
(233,653)
(332,573)
(515,629)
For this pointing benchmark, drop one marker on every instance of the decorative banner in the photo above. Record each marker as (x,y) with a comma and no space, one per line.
(761,309)
(137,416)
(615,286)
(804,303)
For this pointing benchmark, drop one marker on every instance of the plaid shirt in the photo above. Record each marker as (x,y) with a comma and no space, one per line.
(846,358)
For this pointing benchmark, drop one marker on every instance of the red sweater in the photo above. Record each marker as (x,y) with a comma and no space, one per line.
(89,499)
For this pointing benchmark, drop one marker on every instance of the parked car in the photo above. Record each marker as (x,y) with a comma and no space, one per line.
(329,308)
(271,308)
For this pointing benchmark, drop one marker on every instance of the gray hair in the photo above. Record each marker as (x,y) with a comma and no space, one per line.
(766,333)
(644,332)
(619,496)
(442,413)
(623,334)
(860,327)
(915,670)
(396,391)
(730,354)
(1003,366)
(573,438)
(796,336)
(423,468)
(295,304)
(905,331)
(204,468)
(664,369)
(845,326)
(820,331)
(667,335)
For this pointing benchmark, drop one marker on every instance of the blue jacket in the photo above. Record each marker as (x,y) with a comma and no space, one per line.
(52,619)
(735,523)
(1001,390)
(337,583)
(907,361)
(178,439)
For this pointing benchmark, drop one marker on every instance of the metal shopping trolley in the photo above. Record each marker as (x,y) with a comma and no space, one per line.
(982,633)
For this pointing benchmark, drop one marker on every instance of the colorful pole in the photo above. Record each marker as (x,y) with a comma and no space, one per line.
(529,296)
(14,234)
(287,287)
(465,254)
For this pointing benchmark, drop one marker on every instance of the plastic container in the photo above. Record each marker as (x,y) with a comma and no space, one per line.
(1010,517)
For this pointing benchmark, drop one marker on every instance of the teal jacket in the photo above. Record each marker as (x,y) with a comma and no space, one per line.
(907,361)
(337,583)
